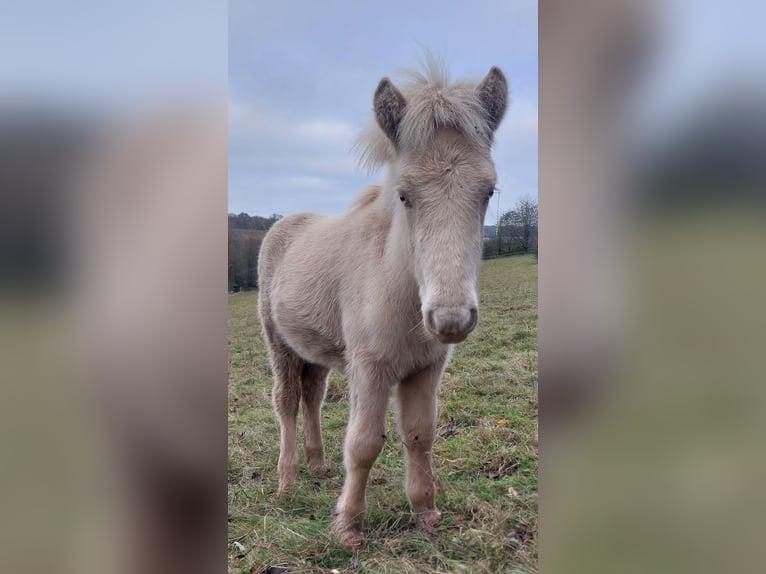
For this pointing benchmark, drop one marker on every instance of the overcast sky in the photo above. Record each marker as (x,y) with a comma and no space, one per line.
(302,73)
(302,76)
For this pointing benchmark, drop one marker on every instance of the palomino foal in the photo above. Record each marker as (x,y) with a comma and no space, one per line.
(382,291)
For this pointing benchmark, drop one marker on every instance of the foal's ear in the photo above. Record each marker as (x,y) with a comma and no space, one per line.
(493,93)
(389,106)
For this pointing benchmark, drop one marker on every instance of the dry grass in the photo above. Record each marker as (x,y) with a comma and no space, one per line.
(485,456)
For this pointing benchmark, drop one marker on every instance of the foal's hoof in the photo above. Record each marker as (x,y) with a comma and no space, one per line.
(319,470)
(429,519)
(349,534)
(350,539)
(284,488)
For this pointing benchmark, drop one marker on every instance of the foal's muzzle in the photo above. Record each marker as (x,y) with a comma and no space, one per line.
(451,324)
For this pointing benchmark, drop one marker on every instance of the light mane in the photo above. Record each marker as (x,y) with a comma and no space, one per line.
(366,197)
(432,103)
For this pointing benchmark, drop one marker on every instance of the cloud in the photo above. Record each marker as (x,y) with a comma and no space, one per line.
(324,130)
(249,121)
(277,161)
(308,183)
(520,121)
(282,163)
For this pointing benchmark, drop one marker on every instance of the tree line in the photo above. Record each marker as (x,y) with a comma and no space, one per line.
(245,235)
(516,230)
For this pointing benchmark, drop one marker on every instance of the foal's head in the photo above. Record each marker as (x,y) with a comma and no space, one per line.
(437,137)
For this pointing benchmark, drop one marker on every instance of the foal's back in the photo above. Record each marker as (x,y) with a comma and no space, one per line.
(309,266)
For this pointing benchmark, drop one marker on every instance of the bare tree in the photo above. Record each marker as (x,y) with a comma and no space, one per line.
(524,221)
(505,231)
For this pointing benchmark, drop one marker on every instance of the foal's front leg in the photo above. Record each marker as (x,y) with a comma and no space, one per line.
(417,424)
(366,433)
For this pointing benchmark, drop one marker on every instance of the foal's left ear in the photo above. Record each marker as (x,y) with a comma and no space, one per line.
(493,93)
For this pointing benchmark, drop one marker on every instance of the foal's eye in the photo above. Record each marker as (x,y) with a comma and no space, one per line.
(405,201)
(490,193)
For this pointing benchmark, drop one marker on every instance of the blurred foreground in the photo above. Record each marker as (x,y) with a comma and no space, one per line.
(113,301)
(112,287)
(652,381)
(114,347)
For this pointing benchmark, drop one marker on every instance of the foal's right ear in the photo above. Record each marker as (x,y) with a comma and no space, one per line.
(389,104)
(493,93)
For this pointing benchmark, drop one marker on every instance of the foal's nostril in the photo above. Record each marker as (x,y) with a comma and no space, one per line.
(430,321)
(474,318)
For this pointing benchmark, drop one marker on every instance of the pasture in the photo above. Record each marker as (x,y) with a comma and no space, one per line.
(485,456)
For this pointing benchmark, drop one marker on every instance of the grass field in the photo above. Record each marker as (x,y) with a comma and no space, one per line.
(485,456)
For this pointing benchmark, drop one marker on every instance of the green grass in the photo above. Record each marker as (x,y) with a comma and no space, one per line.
(485,456)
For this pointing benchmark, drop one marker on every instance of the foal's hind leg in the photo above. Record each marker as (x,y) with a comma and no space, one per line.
(286,397)
(313,388)
(417,424)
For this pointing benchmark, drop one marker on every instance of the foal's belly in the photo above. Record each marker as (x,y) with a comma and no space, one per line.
(312,347)
(310,340)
